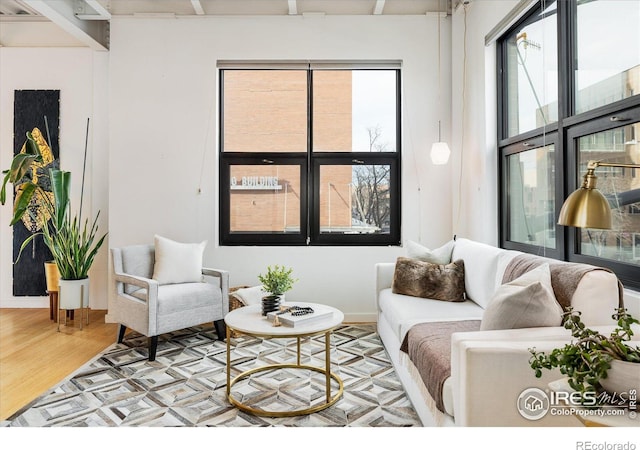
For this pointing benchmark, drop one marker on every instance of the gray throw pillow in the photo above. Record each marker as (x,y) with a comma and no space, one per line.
(435,281)
(526,302)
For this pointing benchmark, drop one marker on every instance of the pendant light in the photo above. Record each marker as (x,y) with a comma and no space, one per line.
(439,150)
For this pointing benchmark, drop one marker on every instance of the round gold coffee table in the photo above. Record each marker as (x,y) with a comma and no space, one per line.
(250,321)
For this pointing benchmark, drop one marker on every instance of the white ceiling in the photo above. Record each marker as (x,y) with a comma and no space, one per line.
(29,23)
(245,7)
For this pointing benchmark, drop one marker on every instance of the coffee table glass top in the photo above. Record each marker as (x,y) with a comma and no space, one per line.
(249,319)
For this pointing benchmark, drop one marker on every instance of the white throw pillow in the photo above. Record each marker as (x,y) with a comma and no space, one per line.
(440,255)
(251,295)
(527,301)
(177,262)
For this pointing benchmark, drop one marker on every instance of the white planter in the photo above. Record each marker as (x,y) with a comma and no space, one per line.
(622,377)
(73,294)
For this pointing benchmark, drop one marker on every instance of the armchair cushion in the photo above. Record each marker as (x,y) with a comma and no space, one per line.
(174,298)
(177,262)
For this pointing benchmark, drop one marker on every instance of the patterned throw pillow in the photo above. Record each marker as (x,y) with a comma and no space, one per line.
(427,280)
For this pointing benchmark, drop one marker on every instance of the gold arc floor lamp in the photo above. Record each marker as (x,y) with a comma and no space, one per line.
(587,207)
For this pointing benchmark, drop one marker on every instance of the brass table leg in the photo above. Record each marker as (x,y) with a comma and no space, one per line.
(327,369)
(330,400)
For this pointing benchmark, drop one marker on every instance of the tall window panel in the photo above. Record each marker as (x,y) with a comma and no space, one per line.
(531,197)
(569,93)
(621,186)
(265,111)
(532,81)
(310,156)
(607,52)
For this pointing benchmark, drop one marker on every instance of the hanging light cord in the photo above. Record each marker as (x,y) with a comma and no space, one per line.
(439,76)
(464,84)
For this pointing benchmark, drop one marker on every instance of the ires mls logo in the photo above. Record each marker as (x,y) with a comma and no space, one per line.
(533,404)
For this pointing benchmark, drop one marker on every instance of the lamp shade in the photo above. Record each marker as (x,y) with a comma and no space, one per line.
(440,153)
(586,208)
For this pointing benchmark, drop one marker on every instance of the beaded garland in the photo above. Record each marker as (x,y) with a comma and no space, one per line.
(297,310)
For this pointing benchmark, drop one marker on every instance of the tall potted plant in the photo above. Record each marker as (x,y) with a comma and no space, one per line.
(72,242)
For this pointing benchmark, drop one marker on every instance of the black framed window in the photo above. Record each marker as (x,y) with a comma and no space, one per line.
(309,155)
(568,85)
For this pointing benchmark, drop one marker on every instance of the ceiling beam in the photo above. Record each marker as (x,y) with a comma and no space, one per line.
(91,32)
(293,7)
(197,7)
(377,10)
(100,12)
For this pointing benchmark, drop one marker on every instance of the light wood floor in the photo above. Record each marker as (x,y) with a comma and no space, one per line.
(35,357)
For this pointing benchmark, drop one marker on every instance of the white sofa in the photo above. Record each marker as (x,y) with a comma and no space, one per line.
(489,369)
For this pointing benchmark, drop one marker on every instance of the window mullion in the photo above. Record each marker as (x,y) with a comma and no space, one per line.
(311,209)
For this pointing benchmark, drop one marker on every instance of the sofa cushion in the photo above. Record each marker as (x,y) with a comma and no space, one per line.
(177,262)
(441,255)
(481,264)
(403,311)
(525,302)
(435,281)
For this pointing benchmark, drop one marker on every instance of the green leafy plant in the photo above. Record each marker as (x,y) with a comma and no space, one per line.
(277,280)
(586,360)
(72,243)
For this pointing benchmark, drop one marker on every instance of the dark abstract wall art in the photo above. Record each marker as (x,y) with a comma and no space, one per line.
(30,109)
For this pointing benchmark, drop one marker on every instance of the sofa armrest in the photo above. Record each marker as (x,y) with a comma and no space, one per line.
(489,375)
(384,276)
(490,369)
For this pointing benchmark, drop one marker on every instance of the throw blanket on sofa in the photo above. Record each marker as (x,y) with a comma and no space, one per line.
(565,277)
(428,346)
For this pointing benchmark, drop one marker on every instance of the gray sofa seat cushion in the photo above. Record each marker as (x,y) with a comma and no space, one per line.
(173,298)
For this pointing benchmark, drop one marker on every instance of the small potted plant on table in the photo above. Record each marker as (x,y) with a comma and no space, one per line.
(594,362)
(276,281)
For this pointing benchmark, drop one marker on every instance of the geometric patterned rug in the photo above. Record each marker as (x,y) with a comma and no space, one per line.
(186,385)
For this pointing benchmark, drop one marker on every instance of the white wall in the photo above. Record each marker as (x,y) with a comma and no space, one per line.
(474,152)
(163,138)
(80,75)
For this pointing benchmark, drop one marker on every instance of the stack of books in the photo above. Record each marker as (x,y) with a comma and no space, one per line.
(289,320)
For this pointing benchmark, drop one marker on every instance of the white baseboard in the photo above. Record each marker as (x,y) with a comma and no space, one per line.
(360,317)
(25,302)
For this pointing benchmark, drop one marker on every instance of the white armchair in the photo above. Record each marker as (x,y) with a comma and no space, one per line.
(142,304)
